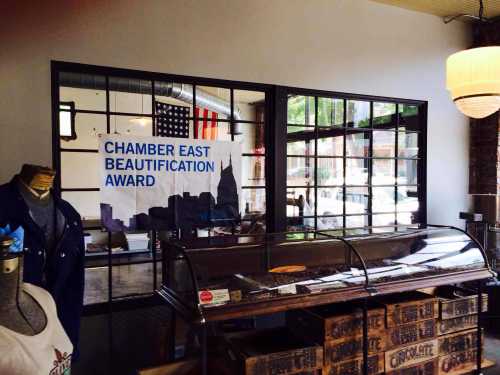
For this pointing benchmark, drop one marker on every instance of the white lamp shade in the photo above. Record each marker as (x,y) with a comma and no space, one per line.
(473,79)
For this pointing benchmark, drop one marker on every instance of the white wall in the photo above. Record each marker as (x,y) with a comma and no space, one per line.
(344,45)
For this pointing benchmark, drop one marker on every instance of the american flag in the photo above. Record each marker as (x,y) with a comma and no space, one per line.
(205,124)
(172,120)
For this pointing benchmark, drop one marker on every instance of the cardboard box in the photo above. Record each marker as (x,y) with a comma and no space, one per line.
(423,368)
(271,352)
(457,324)
(351,347)
(461,363)
(355,366)
(411,307)
(455,302)
(405,334)
(335,322)
(410,355)
(458,342)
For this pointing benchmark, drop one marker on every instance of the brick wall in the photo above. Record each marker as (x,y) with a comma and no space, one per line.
(484,167)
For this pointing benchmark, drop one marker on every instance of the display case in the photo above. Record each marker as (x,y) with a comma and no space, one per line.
(219,278)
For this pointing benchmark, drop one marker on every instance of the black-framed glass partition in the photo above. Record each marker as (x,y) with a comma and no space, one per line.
(353,163)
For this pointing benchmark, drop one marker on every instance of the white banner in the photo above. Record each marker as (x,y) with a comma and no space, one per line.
(189,183)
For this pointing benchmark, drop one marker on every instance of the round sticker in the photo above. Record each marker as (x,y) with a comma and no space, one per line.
(206,296)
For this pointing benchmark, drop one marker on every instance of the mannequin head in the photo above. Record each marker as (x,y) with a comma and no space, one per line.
(38,178)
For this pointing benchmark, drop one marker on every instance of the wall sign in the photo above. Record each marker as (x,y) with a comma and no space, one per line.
(168,183)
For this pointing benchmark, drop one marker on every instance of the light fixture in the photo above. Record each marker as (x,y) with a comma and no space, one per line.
(141,120)
(473,79)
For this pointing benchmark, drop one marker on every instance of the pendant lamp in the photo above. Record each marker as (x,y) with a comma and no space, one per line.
(473,79)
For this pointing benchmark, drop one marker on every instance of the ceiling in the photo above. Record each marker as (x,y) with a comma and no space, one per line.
(444,8)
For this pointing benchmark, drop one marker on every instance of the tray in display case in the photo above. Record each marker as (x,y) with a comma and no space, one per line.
(227,277)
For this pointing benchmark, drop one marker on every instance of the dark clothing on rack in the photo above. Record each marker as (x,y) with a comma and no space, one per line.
(60,271)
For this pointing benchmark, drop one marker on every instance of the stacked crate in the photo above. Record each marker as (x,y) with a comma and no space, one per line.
(457,331)
(412,344)
(339,328)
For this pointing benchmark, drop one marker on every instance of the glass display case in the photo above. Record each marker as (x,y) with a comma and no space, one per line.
(219,278)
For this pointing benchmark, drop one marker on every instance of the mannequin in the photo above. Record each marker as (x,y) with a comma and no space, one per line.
(32,339)
(35,183)
(54,252)
(18,310)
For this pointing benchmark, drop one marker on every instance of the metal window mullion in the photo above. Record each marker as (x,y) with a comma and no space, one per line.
(344,163)
(396,159)
(370,169)
(316,163)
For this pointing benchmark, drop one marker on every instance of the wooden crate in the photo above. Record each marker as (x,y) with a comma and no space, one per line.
(335,322)
(423,368)
(457,324)
(274,351)
(352,347)
(410,355)
(458,342)
(411,333)
(355,366)
(455,302)
(411,307)
(460,363)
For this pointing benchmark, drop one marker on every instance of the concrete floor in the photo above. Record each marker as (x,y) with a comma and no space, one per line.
(492,351)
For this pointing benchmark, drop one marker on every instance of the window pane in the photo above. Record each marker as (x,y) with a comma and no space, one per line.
(383,219)
(330,112)
(356,200)
(85,202)
(302,148)
(407,199)
(331,146)
(301,110)
(330,171)
(300,171)
(249,105)
(407,217)
(330,223)
(80,170)
(251,138)
(300,202)
(408,117)
(407,144)
(210,100)
(168,93)
(407,172)
(383,172)
(358,114)
(330,201)
(87,128)
(253,171)
(356,221)
(384,114)
(357,171)
(130,95)
(253,202)
(383,199)
(130,125)
(93,99)
(358,144)
(384,144)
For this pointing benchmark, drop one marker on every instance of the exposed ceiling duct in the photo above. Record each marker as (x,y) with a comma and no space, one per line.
(179,91)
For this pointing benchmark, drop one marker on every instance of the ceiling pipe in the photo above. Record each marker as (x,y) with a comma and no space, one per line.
(179,91)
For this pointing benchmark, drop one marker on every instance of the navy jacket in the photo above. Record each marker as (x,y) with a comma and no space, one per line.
(62,272)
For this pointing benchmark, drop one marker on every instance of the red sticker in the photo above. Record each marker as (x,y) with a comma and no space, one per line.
(206,296)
